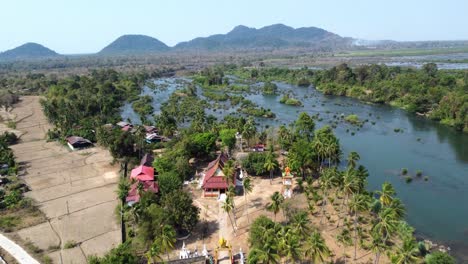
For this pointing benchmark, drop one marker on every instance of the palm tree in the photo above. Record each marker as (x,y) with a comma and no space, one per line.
(386,223)
(398,207)
(377,246)
(316,249)
(264,255)
(228,207)
(284,136)
(154,252)
(348,187)
(358,203)
(270,164)
(406,253)
(345,239)
(290,246)
(327,180)
(228,171)
(353,157)
(276,201)
(249,130)
(300,223)
(387,193)
(247,185)
(167,239)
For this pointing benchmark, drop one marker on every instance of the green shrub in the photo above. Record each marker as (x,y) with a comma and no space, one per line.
(404,171)
(408,179)
(419,173)
(352,119)
(70,244)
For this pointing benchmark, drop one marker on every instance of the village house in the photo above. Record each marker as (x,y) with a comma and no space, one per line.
(142,173)
(214,182)
(75,143)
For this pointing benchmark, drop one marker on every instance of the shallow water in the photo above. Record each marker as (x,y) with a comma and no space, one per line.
(437,208)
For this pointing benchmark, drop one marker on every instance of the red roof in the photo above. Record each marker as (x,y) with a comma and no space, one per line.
(148,186)
(143,173)
(211,180)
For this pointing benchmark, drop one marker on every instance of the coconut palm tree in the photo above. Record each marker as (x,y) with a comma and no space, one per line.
(290,246)
(386,194)
(386,223)
(270,164)
(344,239)
(300,223)
(353,157)
(228,207)
(348,187)
(249,130)
(166,239)
(398,207)
(316,249)
(358,203)
(276,201)
(228,171)
(247,185)
(327,181)
(377,246)
(265,254)
(406,253)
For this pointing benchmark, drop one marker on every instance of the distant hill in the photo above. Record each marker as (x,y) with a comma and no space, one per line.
(274,36)
(28,51)
(134,44)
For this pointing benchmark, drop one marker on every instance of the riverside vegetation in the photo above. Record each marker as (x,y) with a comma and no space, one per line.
(441,95)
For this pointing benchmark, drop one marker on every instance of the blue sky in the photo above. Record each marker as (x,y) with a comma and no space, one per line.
(86,26)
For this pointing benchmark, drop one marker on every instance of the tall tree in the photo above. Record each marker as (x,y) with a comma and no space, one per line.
(304,126)
(358,203)
(228,171)
(228,207)
(270,164)
(167,239)
(316,249)
(386,194)
(276,201)
(377,246)
(247,186)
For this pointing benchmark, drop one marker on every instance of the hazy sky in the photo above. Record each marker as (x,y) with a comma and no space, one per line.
(86,26)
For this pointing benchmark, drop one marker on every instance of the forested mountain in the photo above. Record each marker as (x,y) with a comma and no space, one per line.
(28,51)
(134,44)
(274,36)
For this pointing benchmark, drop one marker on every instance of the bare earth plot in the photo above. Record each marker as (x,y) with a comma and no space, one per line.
(76,190)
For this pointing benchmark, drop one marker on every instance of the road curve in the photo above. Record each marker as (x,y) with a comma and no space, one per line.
(16,251)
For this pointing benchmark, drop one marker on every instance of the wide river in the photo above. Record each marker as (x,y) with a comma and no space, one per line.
(437,208)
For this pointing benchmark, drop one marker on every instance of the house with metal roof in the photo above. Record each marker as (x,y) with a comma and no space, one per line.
(75,143)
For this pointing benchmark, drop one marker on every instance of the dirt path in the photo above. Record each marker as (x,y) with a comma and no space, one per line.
(76,190)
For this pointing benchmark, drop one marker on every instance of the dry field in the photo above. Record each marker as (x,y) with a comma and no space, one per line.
(75,190)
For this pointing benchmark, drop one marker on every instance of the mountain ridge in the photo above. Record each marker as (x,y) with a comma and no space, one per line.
(133,44)
(29,50)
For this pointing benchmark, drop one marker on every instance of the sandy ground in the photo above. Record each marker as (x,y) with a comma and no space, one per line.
(220,225)
(76,190)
